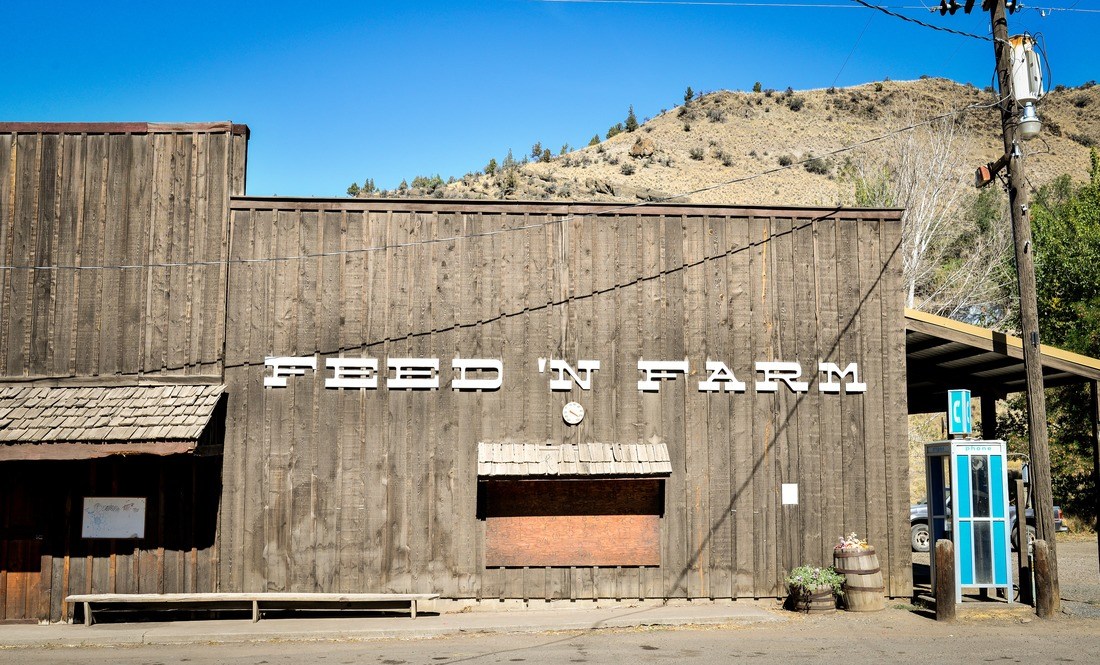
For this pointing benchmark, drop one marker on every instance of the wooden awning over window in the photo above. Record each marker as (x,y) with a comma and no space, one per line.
(62,423)
(503,460)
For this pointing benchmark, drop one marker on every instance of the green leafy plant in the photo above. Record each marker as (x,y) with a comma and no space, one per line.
(817,165)
(806,579)
(756,87)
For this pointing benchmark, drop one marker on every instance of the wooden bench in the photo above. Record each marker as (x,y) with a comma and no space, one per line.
(246,600)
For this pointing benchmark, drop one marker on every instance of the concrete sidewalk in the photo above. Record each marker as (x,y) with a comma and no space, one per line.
(369,627)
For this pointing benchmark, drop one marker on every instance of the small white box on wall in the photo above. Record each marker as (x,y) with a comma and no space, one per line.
(790,494)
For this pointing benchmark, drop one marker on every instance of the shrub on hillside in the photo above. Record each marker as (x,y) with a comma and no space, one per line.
(817,165)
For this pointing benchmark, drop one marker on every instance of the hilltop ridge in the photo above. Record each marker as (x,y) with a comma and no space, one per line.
(687,153)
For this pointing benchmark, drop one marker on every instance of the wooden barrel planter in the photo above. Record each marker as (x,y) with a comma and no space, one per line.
(817,601)
(863,587)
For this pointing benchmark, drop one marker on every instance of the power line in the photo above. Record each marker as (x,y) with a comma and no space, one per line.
(922,23)
(854,46)
(784,5)
(700,3)
(612,208)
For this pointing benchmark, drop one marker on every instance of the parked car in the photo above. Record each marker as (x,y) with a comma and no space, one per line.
(921,537)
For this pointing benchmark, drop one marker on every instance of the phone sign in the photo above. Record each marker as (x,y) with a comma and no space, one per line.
(958,412)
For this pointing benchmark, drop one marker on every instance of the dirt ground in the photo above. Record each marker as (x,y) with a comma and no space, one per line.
(1078,574)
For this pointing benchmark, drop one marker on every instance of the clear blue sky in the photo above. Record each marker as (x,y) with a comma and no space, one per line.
(337,92)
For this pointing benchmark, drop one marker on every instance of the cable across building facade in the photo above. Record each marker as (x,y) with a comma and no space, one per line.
(482,399)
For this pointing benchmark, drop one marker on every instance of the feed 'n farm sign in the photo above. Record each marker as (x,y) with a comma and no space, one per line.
(470,374)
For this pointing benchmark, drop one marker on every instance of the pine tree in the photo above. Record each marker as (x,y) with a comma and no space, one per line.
(688,94)
(595,140)
(631,121)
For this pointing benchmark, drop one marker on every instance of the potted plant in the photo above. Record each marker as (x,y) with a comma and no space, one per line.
(858,565)
(814,589)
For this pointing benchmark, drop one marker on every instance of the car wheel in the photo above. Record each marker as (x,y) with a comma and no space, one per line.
(920,537)
(1030,537)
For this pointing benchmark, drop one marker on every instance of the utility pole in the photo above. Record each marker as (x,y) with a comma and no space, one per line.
(1041,495)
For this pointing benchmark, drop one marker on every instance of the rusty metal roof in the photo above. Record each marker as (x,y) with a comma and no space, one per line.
(572,459)
(39,422)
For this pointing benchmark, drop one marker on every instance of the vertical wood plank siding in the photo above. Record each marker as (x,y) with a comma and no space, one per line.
(375,490)
(74,198)
(115,195)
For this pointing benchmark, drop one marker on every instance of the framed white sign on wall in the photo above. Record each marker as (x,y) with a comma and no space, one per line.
(113,517)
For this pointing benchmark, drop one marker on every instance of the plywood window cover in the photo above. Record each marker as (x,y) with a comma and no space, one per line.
(516,460)
(88,422)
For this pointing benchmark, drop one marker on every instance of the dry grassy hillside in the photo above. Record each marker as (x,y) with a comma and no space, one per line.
(723,136)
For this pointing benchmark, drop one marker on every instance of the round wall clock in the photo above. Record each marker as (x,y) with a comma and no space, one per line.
(572,413)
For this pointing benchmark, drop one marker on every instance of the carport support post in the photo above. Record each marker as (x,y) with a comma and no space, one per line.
(989,416)
(1095,417)
(1026,586)
(944,556)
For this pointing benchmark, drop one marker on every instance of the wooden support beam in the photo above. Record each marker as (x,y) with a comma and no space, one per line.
(1019,494)
(945,580)
(989,415)
(1045,605)
(1094,415)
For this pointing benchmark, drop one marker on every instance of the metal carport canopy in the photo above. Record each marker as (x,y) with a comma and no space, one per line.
(942,354)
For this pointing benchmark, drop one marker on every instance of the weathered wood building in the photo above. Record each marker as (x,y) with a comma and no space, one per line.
(370,395)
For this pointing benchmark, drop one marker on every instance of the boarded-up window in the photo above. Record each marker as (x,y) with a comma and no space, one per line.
(606,522)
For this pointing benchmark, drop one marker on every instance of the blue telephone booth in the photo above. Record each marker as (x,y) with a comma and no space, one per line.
(968,503)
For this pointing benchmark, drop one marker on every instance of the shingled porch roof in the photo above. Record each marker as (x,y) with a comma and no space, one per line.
(572,459)
(59,423)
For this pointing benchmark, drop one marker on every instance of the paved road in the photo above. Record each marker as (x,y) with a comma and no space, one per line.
(985,633)
(895,635)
